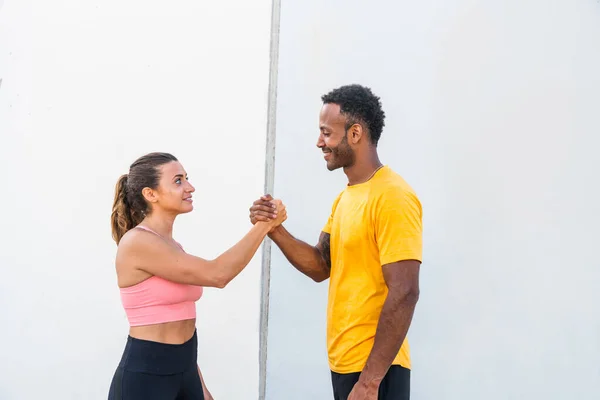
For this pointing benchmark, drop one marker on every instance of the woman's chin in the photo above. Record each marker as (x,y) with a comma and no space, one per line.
(187,208)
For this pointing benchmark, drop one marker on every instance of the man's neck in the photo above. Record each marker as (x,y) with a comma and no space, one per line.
(363,169)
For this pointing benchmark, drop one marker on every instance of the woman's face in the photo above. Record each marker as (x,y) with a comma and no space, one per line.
(174,191)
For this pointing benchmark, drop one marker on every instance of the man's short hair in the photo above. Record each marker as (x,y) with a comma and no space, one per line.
(360,105)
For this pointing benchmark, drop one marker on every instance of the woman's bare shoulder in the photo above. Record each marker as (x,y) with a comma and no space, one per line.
(135,239)
(131,252)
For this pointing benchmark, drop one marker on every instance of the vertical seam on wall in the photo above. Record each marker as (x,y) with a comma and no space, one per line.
(269,185)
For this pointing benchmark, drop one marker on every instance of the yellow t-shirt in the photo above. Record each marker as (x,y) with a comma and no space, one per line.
(371,224)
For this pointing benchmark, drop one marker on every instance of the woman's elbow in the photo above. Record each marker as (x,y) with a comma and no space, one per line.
(219,281)
(212,279)
(213,276)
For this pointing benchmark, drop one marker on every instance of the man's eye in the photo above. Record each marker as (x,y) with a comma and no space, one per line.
(178,180)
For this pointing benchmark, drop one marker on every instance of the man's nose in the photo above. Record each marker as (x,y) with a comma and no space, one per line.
(320,142)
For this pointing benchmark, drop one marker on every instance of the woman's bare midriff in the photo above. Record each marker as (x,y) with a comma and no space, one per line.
(176,332)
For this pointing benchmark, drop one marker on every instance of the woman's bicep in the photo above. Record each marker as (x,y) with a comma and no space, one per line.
(154,256)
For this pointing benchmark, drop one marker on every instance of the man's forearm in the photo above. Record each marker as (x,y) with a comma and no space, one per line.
(394,321)
(304,257)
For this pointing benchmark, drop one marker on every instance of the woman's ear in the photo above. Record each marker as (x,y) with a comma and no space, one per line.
(149,195)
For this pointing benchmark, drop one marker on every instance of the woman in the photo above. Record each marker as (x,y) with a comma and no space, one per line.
(160,283)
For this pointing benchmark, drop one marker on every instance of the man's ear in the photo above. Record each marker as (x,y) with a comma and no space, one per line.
(355,133)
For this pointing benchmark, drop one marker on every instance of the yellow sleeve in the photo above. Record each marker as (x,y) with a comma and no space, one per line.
(327,227)
(398,226)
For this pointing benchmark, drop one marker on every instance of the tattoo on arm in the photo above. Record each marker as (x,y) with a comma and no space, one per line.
(324,248)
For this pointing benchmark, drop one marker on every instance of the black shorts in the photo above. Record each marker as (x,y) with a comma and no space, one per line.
(395,384)
(157,371)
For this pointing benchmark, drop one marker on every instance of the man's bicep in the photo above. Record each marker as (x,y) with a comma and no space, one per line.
(402,276)
(324,248)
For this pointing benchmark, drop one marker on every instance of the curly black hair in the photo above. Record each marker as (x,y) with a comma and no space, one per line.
(360,105)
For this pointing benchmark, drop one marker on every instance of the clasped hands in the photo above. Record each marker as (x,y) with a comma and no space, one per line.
(269,210)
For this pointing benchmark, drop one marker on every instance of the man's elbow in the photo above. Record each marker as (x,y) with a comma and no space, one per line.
(412,296)
(319,278)
(321,275)
(408,295)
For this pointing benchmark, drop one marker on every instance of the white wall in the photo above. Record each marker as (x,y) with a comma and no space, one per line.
(492,116)
(87,87)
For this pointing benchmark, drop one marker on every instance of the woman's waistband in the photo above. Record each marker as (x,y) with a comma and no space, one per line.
(159,358)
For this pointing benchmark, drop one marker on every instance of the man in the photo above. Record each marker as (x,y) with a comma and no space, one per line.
(370,248)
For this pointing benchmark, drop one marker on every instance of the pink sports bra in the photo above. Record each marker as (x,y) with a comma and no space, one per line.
(157,300)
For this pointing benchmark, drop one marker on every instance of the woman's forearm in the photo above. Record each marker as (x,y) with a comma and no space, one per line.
(234,260)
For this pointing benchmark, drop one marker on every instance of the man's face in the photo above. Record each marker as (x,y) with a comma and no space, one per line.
(333,140)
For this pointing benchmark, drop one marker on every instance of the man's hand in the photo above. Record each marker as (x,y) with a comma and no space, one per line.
(364,391)
(263,209)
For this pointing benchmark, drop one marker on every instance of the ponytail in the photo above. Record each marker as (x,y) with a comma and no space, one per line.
(122,218)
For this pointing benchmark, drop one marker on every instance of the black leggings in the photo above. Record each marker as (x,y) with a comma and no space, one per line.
(395,384)
(157,371)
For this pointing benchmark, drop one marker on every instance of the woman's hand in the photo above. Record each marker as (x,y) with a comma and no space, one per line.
(279,212)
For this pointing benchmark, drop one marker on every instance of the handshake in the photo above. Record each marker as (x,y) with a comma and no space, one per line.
(268,210)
